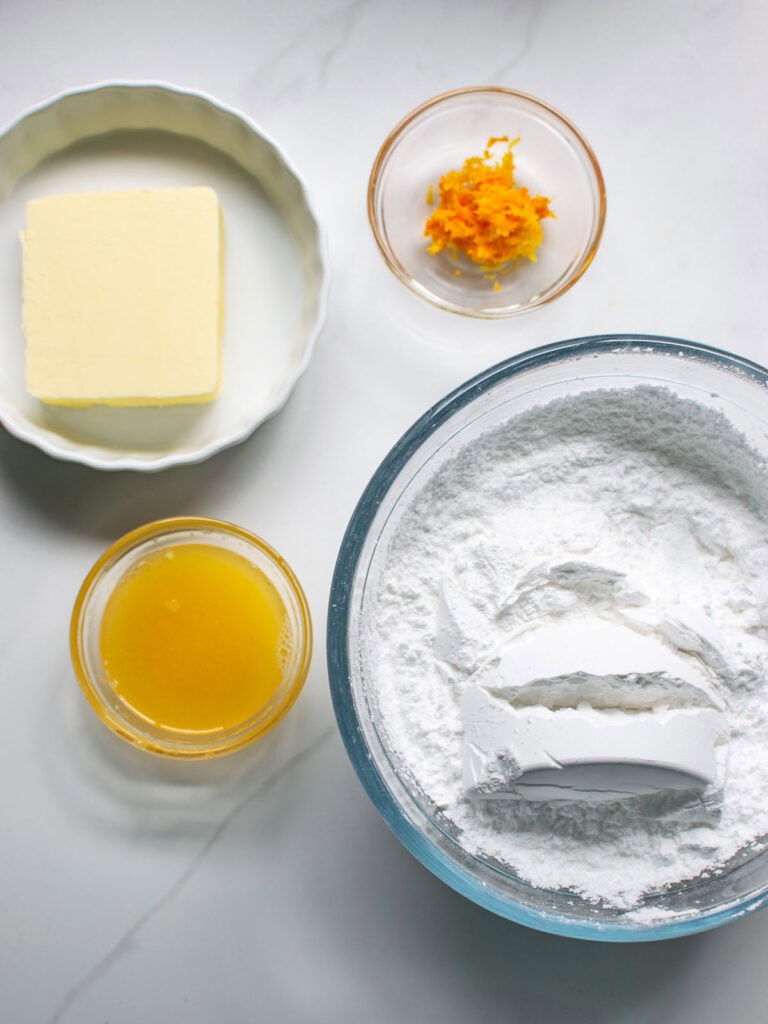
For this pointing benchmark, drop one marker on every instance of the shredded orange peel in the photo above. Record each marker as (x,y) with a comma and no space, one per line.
(483,214)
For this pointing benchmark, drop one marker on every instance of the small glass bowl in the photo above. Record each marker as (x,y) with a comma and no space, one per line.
(91,602)
(552,158)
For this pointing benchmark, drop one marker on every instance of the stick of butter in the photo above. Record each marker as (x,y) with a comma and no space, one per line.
(123,297)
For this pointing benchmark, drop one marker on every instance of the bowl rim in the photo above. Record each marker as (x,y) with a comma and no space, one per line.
(211,746)
(394,264)
(337,649)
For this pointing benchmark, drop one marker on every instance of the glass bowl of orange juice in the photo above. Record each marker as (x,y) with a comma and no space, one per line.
(191,637)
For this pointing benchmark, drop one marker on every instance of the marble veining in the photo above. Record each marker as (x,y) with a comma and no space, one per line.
(132,937)
(132,890)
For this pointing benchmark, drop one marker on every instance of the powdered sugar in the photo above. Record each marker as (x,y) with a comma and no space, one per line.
(659,493)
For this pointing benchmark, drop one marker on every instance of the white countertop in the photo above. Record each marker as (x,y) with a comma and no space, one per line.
(265,887)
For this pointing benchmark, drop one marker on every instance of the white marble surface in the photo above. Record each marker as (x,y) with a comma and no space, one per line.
(265,887)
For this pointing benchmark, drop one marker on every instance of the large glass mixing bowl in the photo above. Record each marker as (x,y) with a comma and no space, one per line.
(718,380)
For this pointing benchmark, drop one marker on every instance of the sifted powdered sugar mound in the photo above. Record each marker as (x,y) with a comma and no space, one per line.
(648,485)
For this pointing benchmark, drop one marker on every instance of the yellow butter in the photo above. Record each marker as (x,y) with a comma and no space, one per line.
(123,297)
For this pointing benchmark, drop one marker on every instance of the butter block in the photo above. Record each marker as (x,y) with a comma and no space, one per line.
(123,297)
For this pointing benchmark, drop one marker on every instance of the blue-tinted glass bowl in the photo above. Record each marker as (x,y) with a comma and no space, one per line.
(712,377)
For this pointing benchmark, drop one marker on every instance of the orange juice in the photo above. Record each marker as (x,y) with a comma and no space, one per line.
(194,638)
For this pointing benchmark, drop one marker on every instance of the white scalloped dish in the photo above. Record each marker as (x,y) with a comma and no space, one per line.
(123,136)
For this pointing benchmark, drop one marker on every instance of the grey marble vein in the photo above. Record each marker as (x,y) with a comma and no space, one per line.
(124,944)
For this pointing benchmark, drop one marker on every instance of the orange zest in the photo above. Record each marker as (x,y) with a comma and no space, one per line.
(485,215)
